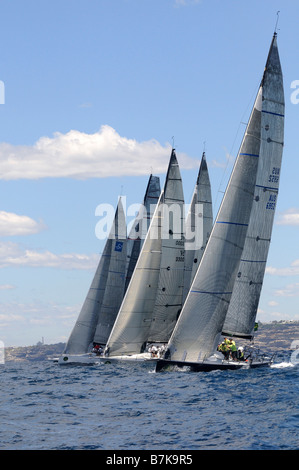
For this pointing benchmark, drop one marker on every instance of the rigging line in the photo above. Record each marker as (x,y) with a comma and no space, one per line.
(230,153)
(276,29)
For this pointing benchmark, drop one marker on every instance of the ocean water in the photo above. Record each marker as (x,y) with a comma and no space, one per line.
(45,406)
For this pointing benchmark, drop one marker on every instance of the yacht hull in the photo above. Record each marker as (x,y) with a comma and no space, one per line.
(208,366)
(92,359)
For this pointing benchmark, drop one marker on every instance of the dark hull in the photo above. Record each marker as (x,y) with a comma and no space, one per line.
(208,366)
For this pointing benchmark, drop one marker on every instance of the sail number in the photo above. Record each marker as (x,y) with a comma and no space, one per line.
(274,177)
(272,202)
(182,252)
(181,257)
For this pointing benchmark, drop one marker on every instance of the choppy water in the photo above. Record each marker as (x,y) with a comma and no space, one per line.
(125,407)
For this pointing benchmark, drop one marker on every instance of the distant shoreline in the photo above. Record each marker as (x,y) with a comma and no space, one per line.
(272,337)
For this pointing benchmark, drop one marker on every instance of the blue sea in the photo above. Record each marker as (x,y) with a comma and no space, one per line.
(125,407)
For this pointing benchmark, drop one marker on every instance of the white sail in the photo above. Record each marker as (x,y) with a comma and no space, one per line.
(114,290)
(169,297)
(133,324)
(242,311)
(198,329)
(112,259)
(141,224)
(199,224)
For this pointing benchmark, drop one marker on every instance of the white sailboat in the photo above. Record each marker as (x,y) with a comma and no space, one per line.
(107,289)
(100,306)
(242,311)
(194,341)
(153,299)
(199,224)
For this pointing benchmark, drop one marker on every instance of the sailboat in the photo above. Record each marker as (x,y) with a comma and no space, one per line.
(153,300)
(242,311)
(104,295)
(198,225)
(221,277)
(109,284)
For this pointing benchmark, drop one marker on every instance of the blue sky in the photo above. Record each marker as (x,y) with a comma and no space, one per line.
(94,92)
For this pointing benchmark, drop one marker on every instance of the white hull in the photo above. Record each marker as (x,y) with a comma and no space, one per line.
(92,359)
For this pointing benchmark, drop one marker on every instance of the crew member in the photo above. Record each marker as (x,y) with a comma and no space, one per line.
(233,350)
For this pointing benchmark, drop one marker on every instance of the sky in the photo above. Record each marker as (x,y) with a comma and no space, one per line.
(93,94)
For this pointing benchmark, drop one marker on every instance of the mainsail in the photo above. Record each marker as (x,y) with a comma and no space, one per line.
(199,224)
(242,311)
(141,224)
(142,306)
(199,327)
(108,283)
(169,298)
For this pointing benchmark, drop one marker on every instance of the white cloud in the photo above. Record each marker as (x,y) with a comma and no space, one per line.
(289,217)
(26,323)
(12,254)
(7,318)
(13,224)
(79,155)
(292,270)
(291,290)
(6,287)
(228,162)
(85,105)
(180,3)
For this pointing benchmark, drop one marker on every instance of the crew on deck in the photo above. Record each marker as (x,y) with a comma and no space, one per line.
(156,351)
(97,349)
(229,349)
